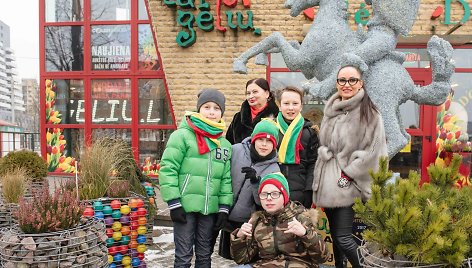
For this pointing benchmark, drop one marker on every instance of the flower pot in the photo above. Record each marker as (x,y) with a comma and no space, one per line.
(82,246)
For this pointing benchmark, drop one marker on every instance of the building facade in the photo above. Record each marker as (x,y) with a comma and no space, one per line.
(30,89)
(132,72)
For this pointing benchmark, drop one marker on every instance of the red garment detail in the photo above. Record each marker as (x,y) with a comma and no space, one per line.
(200,135)
(255,112)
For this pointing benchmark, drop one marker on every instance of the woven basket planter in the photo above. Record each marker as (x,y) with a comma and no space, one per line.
(82,246)
(376,259)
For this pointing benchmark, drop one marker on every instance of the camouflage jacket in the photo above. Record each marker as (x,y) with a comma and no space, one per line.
(277,249)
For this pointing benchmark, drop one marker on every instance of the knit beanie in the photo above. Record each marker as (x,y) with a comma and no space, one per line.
(266,129)
(213,95)
(278,180)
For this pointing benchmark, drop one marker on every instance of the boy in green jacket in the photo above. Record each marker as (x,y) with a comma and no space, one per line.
(195,179)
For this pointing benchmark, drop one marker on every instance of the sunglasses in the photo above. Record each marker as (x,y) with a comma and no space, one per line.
(351,81)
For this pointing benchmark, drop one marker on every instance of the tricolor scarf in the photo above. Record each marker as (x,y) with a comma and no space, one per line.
(206,131)
(289,150)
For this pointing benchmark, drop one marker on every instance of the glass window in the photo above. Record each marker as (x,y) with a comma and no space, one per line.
(415,57)
(64,48)
(147,51)
(110,10)
(111,101)
(64,10)
(142,11)
(277,61)
(113,133)
(410,114)
(111,47)
(63,146)
(64,101)
(462,58)
(460,109)
(152,143)
(153,106)
(402,163)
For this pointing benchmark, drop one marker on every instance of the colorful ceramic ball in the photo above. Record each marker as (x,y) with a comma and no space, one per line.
(117,236)
(133,203)
(99,215)
(141,239)
(141,256)
(142,230)
(110,258)
(88,212)
(133,253)
(113,250)
(133,216)
(142,220)
(110,241)
(116,214)
(118,257)
(115,204)
(125,230)
(124,219)
(133,234)
(150,192)
(97,206)
(116,226)
(109,221)
(142,265)
(109,232)
(134,225)
(141,248)
(133,244)
(135,262)
(125,209)
(125,240)
(112,265)
(126,260)
(142,212)
(140,203)
(123,249)
(107,210)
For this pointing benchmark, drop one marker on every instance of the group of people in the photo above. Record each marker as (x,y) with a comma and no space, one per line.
(256,188)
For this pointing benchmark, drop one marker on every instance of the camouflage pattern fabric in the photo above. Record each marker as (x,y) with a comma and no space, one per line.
(277,249)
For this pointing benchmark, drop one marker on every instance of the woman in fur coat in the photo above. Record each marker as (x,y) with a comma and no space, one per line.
(352,139)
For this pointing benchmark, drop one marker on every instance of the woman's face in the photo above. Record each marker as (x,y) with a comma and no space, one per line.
(256,96)
(211,111)
(272,205)
(290,105)
(263,146)
(349,82)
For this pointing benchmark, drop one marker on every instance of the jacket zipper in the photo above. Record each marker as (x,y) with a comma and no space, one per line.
(186,180)
(207,183)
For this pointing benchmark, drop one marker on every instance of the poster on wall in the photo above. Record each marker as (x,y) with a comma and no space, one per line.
(110,47)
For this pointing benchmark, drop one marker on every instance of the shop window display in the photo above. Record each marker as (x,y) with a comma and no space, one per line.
(64,48)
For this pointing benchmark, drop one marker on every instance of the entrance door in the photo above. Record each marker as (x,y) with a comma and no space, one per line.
(420,122)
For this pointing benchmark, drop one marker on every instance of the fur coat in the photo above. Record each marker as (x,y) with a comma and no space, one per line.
(348,145)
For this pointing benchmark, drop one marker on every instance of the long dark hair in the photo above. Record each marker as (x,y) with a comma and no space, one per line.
(368,108)
(262,83)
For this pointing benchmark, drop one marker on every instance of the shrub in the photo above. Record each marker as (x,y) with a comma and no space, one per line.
(35,166)
(118,189)
(14,185)
(49,213)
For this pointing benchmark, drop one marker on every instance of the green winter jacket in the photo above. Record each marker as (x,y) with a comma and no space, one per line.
(198,183)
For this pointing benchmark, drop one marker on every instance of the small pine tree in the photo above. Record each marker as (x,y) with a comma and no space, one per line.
(427,224)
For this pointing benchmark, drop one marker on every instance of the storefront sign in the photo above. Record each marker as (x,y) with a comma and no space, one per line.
(110,47)
(447,12)
(205,19)
(361,16)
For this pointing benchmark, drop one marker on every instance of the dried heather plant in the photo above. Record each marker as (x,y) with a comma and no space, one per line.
(14,184)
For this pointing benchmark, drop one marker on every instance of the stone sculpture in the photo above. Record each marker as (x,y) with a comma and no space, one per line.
(331,43)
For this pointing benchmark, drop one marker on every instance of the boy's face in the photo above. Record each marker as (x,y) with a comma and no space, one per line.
(263,146)
(211,111)
(272,205)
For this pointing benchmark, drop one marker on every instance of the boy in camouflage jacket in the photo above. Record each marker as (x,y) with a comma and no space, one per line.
(283,235)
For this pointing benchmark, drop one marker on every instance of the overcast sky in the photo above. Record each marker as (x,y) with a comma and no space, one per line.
(23,18)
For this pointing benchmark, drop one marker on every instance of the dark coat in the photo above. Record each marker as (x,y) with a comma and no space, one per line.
(242,125)
(300,177)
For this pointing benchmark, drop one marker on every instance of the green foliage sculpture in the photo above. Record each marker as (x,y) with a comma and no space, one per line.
(427,224)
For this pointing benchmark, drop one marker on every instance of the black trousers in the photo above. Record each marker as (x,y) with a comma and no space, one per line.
(344,244)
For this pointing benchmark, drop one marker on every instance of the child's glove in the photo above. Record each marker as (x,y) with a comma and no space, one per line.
(250,174)
(178,215)
(221,220)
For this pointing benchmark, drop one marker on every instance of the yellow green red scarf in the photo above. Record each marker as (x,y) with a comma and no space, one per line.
(206,131)
(289,150)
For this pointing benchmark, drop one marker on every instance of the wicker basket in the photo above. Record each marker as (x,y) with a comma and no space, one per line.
(368,259)
(82,246)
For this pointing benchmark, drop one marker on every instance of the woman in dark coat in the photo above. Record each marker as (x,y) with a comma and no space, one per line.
(259,104)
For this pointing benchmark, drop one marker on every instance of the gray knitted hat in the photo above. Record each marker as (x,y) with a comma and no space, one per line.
(213,95)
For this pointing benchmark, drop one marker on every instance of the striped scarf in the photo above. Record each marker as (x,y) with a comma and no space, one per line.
(206,131)
(289,150)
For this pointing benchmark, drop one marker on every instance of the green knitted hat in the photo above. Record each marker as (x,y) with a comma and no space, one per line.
(266,129)
(278,180)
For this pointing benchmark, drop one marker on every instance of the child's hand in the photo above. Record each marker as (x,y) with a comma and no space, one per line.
(296,228)
(245,230)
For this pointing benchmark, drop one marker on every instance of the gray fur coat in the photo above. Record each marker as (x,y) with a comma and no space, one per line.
(244,192)
(346,145)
